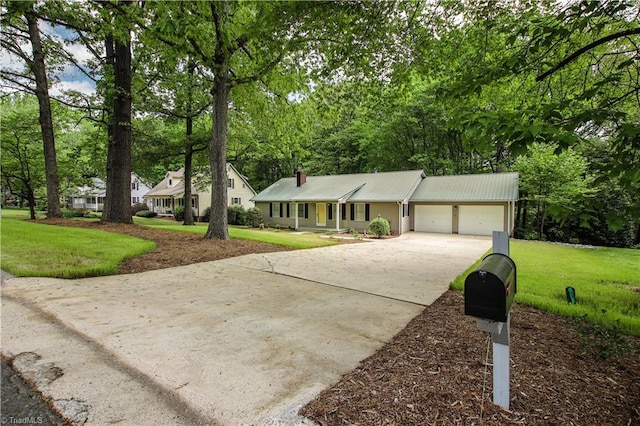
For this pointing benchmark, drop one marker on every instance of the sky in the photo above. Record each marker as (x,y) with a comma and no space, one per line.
(69,76)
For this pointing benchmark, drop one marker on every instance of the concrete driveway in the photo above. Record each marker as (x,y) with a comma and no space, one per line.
(247,340)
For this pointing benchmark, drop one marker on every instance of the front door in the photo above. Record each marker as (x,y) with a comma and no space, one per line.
(321,214)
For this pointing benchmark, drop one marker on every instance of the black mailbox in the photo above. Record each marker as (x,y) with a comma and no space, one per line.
(489,290)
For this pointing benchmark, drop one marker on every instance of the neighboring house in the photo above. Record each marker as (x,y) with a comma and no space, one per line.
(409,200)
(169,193)
(91,197)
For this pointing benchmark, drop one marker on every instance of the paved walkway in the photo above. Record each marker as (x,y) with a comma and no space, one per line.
(247,340)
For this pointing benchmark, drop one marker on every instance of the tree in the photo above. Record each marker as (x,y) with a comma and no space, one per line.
(242,43)
(555,182)
(118,53)
(20,19)
(23,171)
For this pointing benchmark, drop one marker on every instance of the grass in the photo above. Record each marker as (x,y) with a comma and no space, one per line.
(277,237)
(606,280)
(36,250)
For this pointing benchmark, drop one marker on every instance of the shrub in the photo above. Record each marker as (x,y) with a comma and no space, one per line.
(206,215)
(253,217)
(380,226)
(137,207)
(69,213)
(236,215)
(146,213)
(178,213)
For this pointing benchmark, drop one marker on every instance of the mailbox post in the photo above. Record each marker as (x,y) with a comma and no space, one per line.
(488,295)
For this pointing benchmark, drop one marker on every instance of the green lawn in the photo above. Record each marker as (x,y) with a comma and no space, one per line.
(606,280)
(36,250)
(277,237)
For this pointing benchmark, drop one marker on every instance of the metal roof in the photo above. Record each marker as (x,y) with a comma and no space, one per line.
(478,187)
(387,186)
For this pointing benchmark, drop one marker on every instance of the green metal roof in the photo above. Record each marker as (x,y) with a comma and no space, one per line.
(394,186)
(388,186)
(479,187)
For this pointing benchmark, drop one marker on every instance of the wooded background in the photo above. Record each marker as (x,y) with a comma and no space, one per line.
(548,89)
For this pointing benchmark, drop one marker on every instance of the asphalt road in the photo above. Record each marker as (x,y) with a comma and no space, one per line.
(21,405)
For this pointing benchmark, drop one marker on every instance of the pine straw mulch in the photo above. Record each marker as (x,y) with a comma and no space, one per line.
(172,248)
(433,371)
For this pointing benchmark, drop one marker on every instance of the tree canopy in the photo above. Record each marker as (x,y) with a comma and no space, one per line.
(332,87)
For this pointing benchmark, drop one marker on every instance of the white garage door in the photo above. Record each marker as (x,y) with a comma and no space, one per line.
(480,220)
(433,219)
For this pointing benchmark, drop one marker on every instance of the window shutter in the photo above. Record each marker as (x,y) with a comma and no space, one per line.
(281,210)
(343,211)
(288,210)
(366,212)
(270,209)
(353,212)
(330,211)
(306,210)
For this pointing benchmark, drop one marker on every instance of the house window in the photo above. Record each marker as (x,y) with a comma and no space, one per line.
(303,210)
(135,200)
(230,183)
(359,212)
(235,200)
(275,209)
(405,210)
(134,186)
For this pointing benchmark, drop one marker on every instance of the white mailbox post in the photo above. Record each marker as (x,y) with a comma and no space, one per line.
(489,292)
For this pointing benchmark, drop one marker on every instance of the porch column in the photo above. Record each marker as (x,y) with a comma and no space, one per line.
(295,210)
(337,213)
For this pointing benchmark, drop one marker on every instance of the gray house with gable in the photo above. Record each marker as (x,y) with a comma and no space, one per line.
(409,200)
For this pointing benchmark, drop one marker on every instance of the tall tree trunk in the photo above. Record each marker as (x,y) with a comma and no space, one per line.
(217,228)
(46,122)
(188,155)
(218,157)
(31,199)
(188,158)
(117,207)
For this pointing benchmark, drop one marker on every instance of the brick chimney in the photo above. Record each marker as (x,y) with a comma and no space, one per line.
(301,178)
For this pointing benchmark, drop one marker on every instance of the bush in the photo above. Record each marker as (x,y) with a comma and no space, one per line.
(146,213)
(178,213)
(253,217)
(137,207)
(236,215)
(69,213)
(380,226)
(206,215)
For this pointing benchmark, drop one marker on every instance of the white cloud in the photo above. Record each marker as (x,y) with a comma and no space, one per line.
(83,86)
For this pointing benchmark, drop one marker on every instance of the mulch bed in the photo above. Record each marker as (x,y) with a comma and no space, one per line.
(433,372)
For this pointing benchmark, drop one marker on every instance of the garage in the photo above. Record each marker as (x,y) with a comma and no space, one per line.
(433,218)
(480,220)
